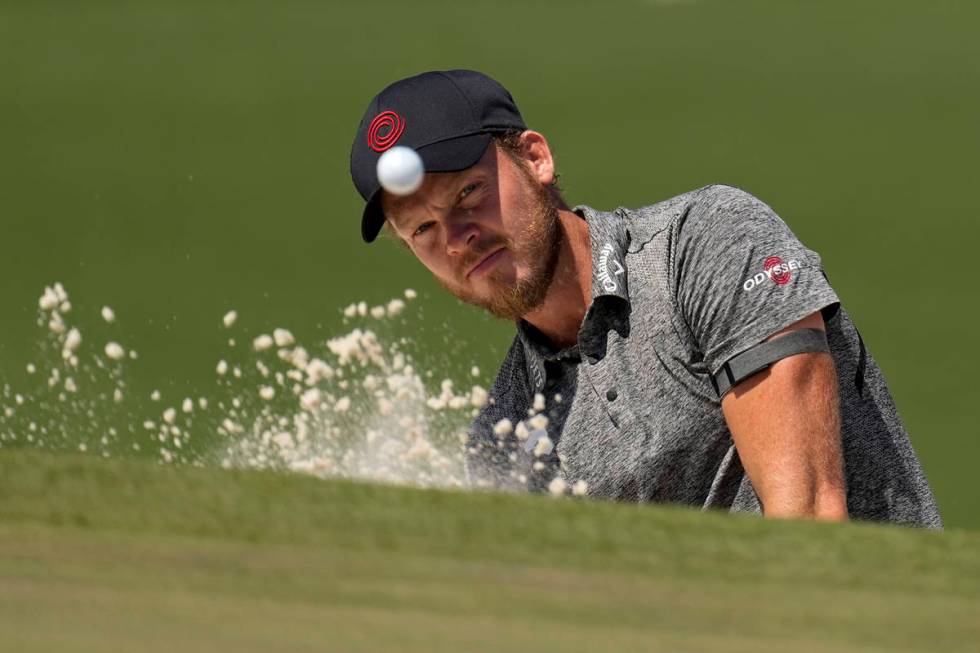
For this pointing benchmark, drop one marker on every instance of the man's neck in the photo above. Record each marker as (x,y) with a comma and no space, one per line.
(560,315)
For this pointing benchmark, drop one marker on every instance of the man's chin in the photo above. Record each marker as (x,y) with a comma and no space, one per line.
(503,298)
(496,299)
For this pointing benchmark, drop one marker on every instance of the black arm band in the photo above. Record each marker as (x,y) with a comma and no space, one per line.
(757,358)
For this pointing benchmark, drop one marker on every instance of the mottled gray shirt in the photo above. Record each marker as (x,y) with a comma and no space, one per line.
(678,288)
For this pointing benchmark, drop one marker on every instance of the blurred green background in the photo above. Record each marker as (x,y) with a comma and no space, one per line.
(176,159)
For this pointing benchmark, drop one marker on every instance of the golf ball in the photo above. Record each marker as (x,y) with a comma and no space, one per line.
(400,170)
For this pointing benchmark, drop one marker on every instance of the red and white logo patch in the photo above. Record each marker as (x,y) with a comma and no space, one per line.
(774,269)
(385,130)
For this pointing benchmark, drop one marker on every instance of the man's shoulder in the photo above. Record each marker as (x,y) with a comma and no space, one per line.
(706,198)
(645,222)
(725,200)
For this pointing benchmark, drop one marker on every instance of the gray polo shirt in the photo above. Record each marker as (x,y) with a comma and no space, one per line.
(630,412)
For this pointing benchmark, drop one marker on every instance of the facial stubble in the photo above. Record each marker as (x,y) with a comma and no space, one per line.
(537,244)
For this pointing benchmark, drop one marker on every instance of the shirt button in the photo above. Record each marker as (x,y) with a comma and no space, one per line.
(611,394)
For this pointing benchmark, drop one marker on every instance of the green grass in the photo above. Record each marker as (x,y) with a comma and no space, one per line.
(178,158)
(116,555)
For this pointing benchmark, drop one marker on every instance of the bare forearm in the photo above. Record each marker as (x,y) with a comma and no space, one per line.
(786,426)
(814,485)
(825,504)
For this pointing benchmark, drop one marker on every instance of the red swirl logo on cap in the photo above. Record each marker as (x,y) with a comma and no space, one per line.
(385,130)
(776,271)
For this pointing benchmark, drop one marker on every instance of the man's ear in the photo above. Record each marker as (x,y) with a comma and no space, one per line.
(537,155)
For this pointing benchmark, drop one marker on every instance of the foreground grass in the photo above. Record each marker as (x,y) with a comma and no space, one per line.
(122,555)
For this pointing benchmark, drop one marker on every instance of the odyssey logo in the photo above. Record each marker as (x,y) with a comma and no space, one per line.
(608,283)
(775,270)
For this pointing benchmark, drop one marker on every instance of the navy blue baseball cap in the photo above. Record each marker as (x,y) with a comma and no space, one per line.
(448,117)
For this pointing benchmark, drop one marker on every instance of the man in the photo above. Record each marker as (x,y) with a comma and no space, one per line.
(692,351)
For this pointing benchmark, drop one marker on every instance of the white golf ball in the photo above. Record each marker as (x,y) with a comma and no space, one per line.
(400,170)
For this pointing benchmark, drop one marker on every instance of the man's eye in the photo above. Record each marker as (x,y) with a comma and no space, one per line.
(468,189)
(422,228)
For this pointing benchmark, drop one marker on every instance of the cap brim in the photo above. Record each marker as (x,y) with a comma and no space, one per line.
(445,156)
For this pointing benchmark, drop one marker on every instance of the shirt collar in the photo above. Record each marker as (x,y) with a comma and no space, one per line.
(609,240)
(610,305)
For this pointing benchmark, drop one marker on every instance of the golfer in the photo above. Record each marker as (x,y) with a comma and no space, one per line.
(692,351)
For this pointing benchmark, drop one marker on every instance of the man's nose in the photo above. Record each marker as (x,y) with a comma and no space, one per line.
(462,233)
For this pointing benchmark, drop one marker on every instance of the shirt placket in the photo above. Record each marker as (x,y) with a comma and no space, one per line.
(606,390)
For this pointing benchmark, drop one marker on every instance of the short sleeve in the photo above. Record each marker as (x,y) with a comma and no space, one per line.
(740,274)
